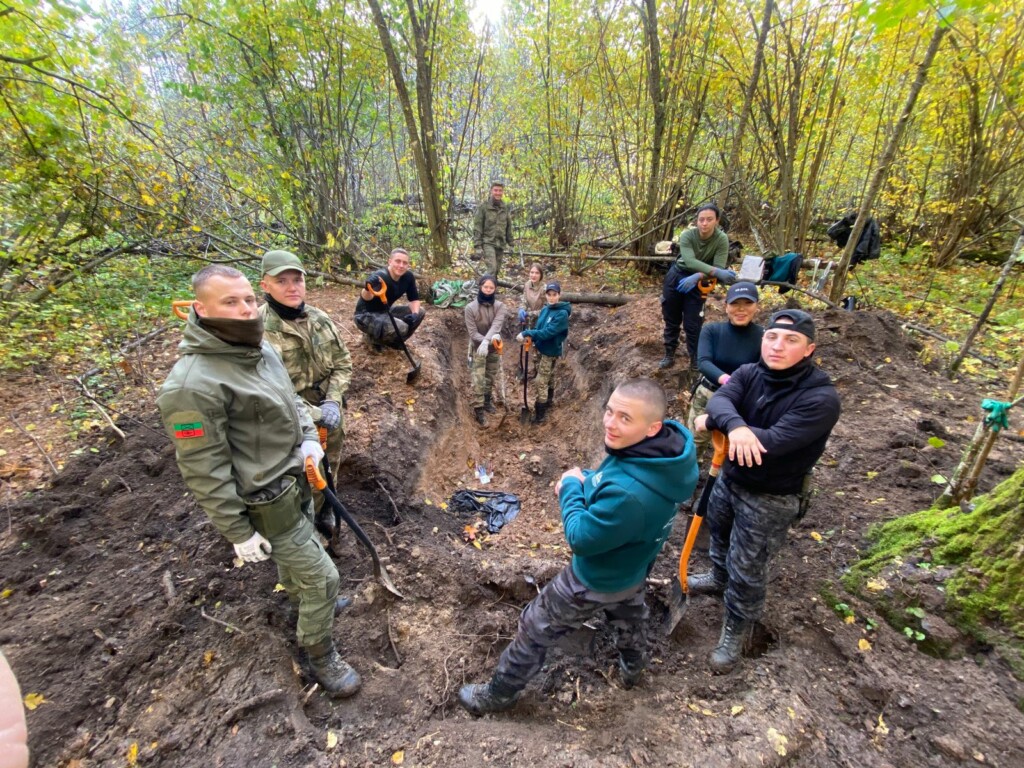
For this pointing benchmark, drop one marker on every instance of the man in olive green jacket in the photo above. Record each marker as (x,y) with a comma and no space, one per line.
(241,435)
(313,353)
(492,230)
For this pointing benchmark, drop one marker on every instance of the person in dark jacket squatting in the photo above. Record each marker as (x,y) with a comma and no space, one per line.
(241,435)
(616,519)
(371,313)
(778,414)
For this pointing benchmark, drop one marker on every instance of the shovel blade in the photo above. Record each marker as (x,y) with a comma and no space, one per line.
(410,377)
(524,416)
(679,603)
(384,578)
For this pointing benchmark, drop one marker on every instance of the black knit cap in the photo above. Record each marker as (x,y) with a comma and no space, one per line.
(793,320)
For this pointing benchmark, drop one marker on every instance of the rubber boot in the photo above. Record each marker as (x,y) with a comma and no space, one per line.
(335,675)
(540,412)
(631,667)
(481,416)
(669,358)
(730,644)
(488,405)
(483,698)
(711,582)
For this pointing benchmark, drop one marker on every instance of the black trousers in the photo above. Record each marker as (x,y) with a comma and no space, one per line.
(681,309)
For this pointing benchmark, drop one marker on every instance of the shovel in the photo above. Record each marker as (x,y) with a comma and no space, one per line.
(524,356)
(382,294)
(326,487)
(680,600)
(499,347)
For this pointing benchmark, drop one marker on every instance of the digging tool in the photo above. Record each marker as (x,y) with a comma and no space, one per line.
(180,307)
(326,487)
(499,347)
(382,294)
(524,356)
(706,285)
(680,600)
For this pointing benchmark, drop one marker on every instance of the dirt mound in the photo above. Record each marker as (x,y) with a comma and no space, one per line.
(127,613)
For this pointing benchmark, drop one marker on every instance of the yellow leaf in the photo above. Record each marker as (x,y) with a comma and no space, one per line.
(477,544)
(791,712)
(864,645)
(872,475)
(428,502)
(877,585)
(332,739)
(133,753)
(208,658)
(33,700)
(30,427)
(778,741)
(694,707)
(736,709)
(196,228)
(399,757)
(850,619)
(279,587)
(443,505)
(815,535)
(882,728)
(410,401)
(6,593)
(147,199)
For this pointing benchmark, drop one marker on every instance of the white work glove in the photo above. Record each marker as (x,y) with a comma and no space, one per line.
(311,450)
(495,338)
(483,348)
(519,338)
(254,549)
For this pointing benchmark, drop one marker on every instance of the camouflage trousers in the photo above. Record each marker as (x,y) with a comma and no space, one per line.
(309,575)
(562,607)
(698,406)
(747,531)
(485,372)
(545,381)
(492,258)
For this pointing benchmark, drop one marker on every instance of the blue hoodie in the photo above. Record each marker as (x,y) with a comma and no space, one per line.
(617,520)
(551,329)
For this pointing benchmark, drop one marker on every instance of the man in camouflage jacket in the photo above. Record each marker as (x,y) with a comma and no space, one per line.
(492,230)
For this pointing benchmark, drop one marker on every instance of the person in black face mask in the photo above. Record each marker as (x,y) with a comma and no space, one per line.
(778,414)
(241,436)
(485,316)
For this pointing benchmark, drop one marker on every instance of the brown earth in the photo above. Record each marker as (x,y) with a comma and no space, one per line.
(126,612)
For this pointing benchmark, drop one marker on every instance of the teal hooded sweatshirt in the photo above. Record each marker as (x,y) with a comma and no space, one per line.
(617,520)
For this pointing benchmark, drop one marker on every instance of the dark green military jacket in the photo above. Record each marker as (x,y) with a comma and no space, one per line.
(492,225)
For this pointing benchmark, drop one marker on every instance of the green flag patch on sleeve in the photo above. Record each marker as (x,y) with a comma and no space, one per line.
(189,430)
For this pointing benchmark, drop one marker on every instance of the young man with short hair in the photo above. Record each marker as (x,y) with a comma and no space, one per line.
(371,315)
(778,414)
(616,520)
(241,436)
(492,229)
(313,353)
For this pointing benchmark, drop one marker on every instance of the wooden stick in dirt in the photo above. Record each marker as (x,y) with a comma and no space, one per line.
(31,437)
(232,627)
(251,703)
(100,408)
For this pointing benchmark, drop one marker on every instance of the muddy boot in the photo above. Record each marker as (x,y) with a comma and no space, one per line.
(712,582)
(488,405)
(331,671)
(631,667)
(551,394)
(668,359)
(481,416)
(540,412)
(730,644)
(325,522)
(483,698)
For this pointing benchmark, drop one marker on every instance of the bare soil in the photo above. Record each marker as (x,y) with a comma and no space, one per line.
(126,612)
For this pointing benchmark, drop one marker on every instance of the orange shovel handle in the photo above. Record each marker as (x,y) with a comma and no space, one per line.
(181,307)
(313,475)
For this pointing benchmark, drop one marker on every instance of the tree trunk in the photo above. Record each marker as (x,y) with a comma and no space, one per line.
(839,281)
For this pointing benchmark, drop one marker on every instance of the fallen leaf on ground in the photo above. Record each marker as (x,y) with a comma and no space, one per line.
(736,709)
(778,741)
(877,585)
(33,700)
(398,757)
(864,645)
(332,739)
(815,535)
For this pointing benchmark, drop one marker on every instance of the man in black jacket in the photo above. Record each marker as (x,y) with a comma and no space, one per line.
(778,414)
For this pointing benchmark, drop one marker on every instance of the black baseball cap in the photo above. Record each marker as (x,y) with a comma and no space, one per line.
(793,320)
(741,291)
(554,285)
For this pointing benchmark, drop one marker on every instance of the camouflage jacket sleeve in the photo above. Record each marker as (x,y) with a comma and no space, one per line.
(340,362)
(197,425)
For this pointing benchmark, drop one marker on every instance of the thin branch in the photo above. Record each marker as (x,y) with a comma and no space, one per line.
(232,627)
(31,437)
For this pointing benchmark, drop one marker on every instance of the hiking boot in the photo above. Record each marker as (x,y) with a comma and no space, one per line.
(540,412)
(631,667)
(551,394)
(481,416)
(488,405)
(709,583)
(730,644)
(483,698)
(668,359)
(335,675)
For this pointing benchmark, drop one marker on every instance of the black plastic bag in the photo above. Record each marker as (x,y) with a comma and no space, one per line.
(499,508)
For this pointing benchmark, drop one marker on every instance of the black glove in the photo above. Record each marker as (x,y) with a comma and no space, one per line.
(374,282)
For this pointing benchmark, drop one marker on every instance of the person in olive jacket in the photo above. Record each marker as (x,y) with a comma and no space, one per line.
(616,520)
(492,229)
(241,436)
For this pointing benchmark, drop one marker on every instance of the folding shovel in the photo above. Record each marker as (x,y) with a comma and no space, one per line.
(499,347)
(327,489)
(524,356)
(680,600)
